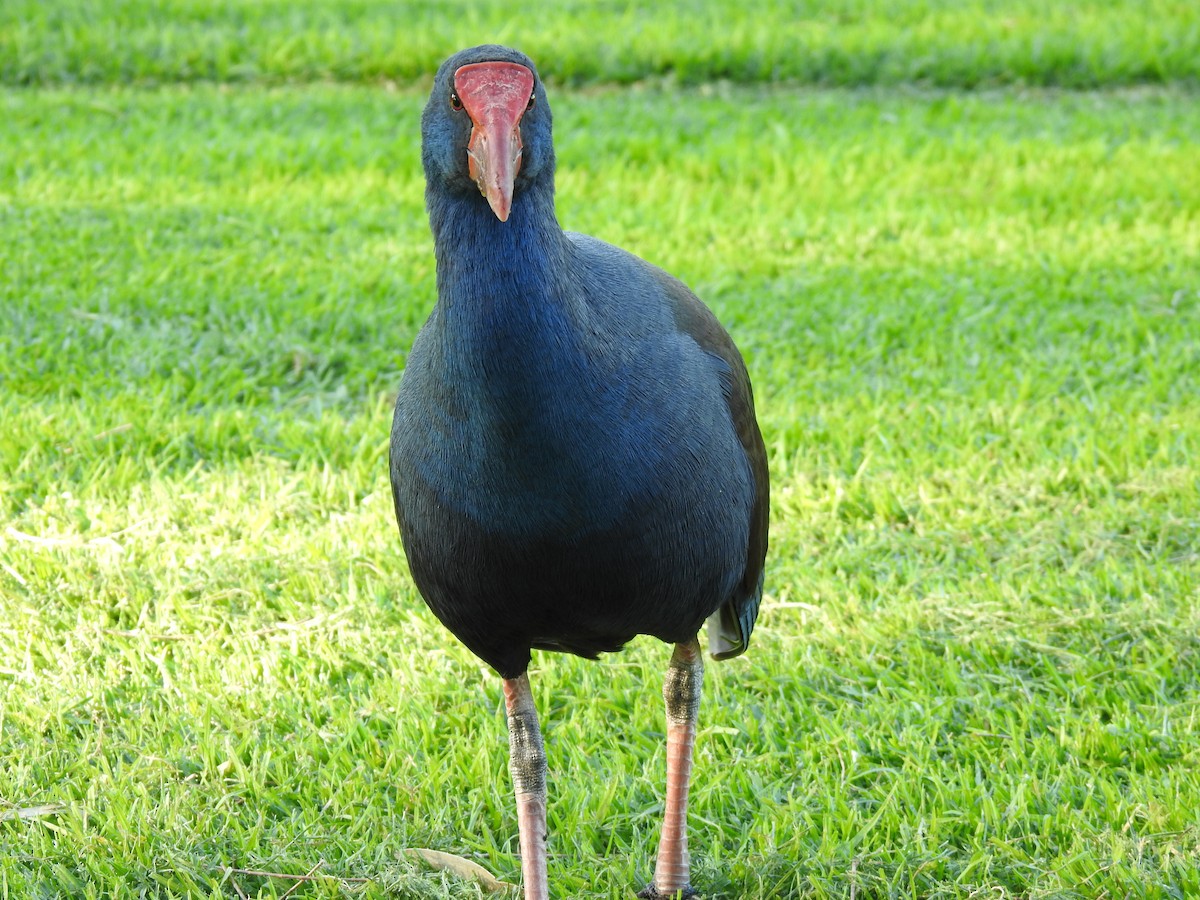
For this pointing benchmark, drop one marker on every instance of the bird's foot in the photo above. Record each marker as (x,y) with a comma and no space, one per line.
(650,892)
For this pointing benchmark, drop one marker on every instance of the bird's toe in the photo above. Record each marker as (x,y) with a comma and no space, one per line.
(650,892)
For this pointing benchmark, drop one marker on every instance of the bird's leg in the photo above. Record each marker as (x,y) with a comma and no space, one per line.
(527,763)
(682,693)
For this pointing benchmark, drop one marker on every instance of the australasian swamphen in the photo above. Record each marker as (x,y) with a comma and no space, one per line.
(574,457)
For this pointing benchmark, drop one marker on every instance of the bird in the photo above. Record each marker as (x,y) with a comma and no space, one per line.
(574,457)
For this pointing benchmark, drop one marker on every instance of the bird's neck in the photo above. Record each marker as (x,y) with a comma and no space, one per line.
(503,287)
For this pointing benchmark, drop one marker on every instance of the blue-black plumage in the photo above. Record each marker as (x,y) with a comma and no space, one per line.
(574,456)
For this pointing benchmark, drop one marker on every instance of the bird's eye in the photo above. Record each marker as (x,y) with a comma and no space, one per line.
(532,100)
(455,103)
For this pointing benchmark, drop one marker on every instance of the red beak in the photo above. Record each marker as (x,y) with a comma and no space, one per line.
(495,95)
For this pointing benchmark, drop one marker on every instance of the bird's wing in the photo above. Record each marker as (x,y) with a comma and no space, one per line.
(730,626)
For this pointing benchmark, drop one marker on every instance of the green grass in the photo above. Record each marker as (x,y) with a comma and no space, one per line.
(1085,43)
(973,323)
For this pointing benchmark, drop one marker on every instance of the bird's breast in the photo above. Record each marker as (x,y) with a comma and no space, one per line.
(581,458)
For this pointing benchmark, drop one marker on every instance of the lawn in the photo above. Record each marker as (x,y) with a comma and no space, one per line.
(949,43)
(972,317)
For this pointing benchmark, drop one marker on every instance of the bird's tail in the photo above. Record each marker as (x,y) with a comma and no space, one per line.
(730,626)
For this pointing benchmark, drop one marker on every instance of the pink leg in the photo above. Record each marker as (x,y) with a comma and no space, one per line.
(527,763)
(682,693)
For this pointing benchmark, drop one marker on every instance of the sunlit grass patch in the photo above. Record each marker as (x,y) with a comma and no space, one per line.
(972,323)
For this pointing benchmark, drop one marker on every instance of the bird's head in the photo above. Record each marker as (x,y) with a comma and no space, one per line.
(486,128)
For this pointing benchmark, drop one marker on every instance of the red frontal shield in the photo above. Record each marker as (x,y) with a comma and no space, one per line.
(495,95)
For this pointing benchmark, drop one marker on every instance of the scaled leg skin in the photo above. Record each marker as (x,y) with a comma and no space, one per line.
(682,693)
(527,763)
